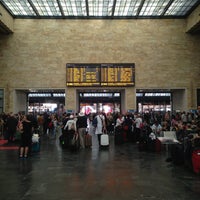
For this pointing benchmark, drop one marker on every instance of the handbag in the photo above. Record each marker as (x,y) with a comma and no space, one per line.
(125,127)
(35,138)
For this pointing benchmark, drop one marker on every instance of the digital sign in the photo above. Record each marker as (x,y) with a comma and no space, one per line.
(100,74)
(117,74)
(83,75)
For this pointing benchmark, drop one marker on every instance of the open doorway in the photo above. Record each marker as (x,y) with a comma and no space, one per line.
(39,101)
(153,100)
(95,101)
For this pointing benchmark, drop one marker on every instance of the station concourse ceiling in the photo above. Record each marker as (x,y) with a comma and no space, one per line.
(103,9)
(99,9)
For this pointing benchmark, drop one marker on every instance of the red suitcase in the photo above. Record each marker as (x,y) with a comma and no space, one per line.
(158,145)
(88,140)
(196,161)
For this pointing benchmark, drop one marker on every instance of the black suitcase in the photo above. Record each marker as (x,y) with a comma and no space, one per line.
(177,154)
(142,146)
(64,141)
(151,144)
(118,136)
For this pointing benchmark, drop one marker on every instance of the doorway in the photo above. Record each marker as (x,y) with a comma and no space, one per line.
(38,101)
(95,101)
(153,100)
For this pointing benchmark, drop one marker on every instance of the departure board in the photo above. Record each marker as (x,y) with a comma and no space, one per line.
(100,74)
(83,75)
(117,74)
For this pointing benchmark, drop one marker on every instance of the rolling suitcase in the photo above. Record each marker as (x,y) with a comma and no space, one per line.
(196,161)
(35,147)
(177,154)
(88,140)
(142,146)
(158,145)
(118,136)
(104,142)
(151,145)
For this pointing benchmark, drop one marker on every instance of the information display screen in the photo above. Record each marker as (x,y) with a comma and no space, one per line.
(100,75)
(83,75)
(117,74)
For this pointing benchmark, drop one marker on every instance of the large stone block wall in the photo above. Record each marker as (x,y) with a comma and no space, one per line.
(193,21)
(35,55)
(6,20)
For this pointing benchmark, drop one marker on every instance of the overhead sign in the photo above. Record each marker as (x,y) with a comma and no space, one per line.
(83,75)
(100,74)
(117,74)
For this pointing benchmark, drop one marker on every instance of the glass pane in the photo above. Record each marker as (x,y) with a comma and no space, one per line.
(47,7)
(99,8)
(153,8)
(180,8)
(74,7)
(127,7)
(19,7)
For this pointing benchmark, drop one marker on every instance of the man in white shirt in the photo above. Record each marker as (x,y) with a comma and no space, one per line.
(101,126)
(138,126)
(156,128)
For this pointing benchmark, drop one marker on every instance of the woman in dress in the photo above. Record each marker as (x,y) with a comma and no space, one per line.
(26,137)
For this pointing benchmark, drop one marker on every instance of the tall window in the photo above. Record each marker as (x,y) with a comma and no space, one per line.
(1,100)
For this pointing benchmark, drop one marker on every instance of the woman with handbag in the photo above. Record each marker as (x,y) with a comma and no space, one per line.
(26,137)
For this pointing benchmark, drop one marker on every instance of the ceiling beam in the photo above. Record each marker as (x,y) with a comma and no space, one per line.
(60,7)
(140,7)
(34,8)
(87,8)
(167,7)
(113,8)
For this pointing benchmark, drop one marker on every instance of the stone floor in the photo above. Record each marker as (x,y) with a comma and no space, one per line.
(118,173)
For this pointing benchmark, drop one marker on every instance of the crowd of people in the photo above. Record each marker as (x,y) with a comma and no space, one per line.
(135,126)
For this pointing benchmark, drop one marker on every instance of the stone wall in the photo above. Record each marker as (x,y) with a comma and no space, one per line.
(6,21)
(35,55)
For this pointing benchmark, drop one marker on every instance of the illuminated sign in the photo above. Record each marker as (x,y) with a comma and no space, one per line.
(46,95)
(157,94)
(100,74)
(100,94)
(117,74)
(83,75)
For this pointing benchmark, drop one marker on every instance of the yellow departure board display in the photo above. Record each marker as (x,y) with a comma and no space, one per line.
(83,75)
(117,74)
(100,75)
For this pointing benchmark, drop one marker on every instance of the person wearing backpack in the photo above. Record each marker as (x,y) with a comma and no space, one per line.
(81,124)
(71,129)
(70,126)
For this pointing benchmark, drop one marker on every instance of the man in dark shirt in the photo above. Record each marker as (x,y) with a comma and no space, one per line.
(81,127)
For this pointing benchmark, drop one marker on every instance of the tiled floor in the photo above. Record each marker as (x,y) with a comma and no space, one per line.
(118,173)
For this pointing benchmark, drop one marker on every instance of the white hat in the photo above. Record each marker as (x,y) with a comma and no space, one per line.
(81,114)
(71,116)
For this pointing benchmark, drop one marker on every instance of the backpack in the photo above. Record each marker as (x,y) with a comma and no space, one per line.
(94,122)
(50,125)
(72,126)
